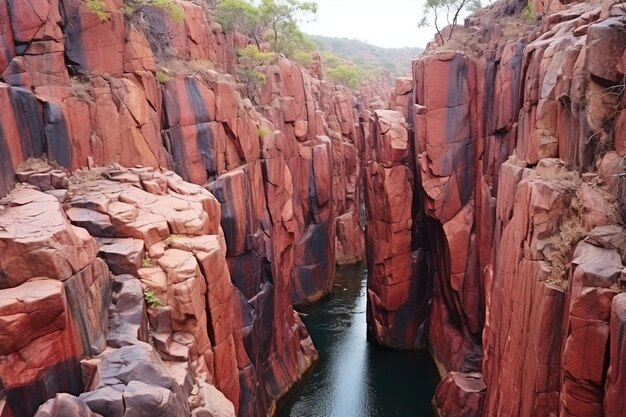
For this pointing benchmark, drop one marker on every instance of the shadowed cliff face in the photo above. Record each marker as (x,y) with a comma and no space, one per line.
(517,162)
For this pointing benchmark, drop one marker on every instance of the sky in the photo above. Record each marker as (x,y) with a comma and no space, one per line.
(386,23)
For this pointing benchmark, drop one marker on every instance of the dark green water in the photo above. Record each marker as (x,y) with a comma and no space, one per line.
(353,377)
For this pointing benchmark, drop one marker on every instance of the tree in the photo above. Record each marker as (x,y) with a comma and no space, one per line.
(348,75)
(273,21)
(131,7)
(281,18)
(249,60)
(240,16)
(450,9)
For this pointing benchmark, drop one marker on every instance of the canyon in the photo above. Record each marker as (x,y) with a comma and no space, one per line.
(157,227)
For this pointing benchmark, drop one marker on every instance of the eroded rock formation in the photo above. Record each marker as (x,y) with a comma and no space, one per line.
(519,165)
(275,205)
(495,201)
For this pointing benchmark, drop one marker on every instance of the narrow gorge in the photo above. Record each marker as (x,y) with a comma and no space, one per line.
(164,223)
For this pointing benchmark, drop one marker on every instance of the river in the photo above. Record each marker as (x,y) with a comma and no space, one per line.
(355,377)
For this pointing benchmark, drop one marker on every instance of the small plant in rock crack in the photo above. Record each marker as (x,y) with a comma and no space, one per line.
(131,7)
(171,239)
(148,263)
(162,77)
(262,132)
(152,299)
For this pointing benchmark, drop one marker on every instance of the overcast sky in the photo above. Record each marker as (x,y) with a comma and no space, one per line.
(386,23)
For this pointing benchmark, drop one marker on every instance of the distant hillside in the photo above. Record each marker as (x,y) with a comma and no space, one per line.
(395,60)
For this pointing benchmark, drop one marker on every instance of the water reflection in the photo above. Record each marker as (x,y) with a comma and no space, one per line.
(354,378)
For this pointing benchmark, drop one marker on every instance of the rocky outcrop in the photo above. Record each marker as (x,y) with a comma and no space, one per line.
(518,168)
(55,296)
(88,90)
(461,395)
(494,193)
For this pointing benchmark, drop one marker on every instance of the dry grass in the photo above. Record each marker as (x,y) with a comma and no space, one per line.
(515,28)
(487,27)
(199,67)
(171,239)
(148,263)
(81,88)
(464,40)
(562,244)
(570,231)
(560,173)
(37,164)
(87,175)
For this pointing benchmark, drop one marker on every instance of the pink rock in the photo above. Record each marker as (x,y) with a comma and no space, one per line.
(37,240)
(460,395)
(65,405)
(613,400)
(94,44)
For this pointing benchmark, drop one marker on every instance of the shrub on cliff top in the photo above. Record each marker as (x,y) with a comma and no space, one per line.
(435,10)
(133,6)
(249,62)
(348,75)
(272,21)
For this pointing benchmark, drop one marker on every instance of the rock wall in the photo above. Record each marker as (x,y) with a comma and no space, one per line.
(283,175)
(398,294)
(518,161)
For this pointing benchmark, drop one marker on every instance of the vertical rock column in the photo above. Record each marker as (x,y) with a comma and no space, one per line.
(445,151)
(289,100)
(340,127)
(523,341)
(585,353)
(614,404)
(392,290)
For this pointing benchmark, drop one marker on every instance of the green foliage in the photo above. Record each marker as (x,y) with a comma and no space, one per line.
(272,21)
(172,239)
(434,10)
(304,58)
(281,18)
(262,132)
(151,299)
(148,263)
(251,56)
(348,75)
(96,7)
(162,77)
(133,6)
(528,15)
(250,59)
(240,16)
(373,60)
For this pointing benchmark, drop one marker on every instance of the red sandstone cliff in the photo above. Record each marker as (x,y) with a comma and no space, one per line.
(519,155)
(495,196)
(275,206)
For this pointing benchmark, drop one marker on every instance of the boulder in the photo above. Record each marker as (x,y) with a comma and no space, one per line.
(65,405)
(460,395)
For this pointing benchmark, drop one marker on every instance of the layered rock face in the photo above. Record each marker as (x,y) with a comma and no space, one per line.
(519,165)
(397,294)
(78,325)
(55,297)
(227,264)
